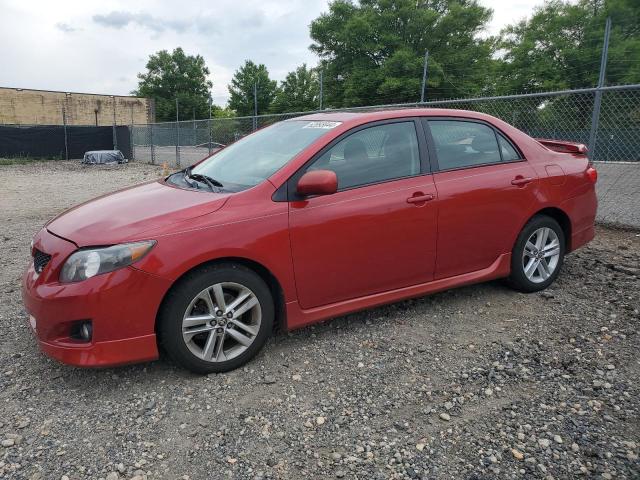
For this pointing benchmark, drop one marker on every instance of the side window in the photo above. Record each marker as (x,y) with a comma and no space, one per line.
(508,152)
(463,144)
(373,155)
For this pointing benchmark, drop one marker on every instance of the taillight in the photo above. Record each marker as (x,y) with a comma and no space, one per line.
(592,173)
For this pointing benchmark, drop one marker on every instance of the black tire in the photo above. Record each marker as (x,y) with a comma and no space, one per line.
(518,279)
(179,298)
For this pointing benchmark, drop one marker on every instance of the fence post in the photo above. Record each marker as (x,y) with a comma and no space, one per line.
(255,106)
(66,141)
(595,118)
(115,136)
(194,142)
(133,151)
(321,87)
(177,135)
(210,125)
(424,76)
(153,147)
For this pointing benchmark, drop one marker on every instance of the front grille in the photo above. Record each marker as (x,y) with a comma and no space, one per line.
(40,260)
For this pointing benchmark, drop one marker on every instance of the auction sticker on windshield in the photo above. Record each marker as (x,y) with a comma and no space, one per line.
(323,124)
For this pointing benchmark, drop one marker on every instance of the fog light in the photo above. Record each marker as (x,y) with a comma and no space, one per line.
(86,331)
(81,330)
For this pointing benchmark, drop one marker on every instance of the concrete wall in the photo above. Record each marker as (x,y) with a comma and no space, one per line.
(41,107)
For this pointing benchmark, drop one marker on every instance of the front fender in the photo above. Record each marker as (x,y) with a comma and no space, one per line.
(263,240)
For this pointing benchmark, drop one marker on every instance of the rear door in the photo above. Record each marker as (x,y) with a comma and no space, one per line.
(486,190)
(378,232)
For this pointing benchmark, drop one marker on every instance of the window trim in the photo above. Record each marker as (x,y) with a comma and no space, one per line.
(432,146)
(287,191)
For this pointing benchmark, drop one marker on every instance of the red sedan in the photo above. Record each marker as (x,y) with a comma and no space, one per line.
(307,219)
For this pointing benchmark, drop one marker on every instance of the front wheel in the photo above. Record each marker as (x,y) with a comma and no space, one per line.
(537,255)
(216,319)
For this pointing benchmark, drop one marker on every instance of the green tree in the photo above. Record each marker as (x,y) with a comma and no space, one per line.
(222,112)
(241,89)
(176,75)
(298,92)
(560,45)
(372,52)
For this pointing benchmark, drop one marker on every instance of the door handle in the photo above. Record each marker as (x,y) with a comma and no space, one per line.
(420,198)
(521,181)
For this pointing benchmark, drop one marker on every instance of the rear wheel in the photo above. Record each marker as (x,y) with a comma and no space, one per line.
(537,255)
(216,319)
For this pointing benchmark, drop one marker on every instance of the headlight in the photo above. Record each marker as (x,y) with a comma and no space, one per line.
(87,263)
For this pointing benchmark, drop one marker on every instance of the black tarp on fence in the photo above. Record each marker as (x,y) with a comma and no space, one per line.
(48,141)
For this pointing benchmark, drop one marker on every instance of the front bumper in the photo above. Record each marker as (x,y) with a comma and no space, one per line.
(122,306)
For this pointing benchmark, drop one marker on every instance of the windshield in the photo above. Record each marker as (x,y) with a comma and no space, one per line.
(256,157)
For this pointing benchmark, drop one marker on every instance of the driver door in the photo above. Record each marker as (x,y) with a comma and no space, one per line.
(378,232)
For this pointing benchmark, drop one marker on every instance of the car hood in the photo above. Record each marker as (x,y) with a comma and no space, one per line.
(125,215)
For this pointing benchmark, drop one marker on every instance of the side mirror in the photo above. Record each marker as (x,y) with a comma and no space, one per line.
(317,182)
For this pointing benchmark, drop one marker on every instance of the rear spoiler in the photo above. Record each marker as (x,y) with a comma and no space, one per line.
(563,146)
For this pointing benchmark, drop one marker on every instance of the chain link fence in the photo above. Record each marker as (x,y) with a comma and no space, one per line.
(561,115)
(564,115)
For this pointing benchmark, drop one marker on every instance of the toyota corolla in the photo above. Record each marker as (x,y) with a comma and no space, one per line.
(301,221)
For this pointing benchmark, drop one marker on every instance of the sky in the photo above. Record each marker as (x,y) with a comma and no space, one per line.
(99,46)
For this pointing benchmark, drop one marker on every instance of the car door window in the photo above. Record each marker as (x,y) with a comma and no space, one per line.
(461,144)
(372,155)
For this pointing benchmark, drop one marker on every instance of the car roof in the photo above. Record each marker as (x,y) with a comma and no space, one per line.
(356,118)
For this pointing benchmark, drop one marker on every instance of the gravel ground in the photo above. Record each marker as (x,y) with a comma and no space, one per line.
(476,383)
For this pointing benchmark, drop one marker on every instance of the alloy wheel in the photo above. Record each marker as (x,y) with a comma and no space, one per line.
(541,255)
(221,322)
